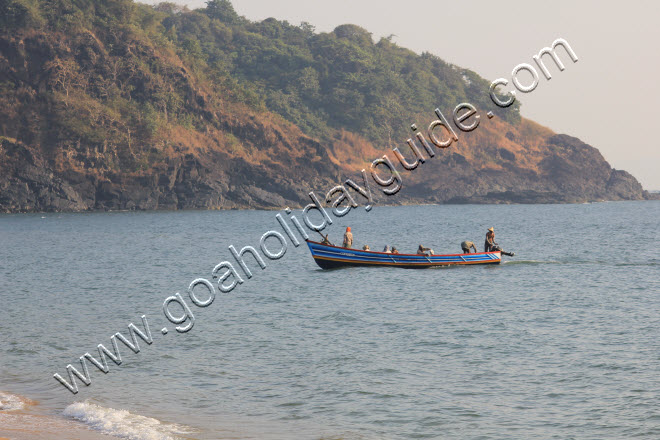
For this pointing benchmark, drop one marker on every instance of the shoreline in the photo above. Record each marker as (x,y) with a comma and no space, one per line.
(656,197)
(22,418)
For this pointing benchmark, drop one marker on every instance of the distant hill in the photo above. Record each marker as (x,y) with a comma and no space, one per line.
(119,105)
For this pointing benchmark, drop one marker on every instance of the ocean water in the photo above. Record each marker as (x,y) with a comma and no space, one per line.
(561,341)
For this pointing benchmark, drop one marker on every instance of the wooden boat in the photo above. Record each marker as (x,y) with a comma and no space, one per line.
(329,257)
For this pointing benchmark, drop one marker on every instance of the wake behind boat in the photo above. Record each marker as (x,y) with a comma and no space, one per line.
(329,256)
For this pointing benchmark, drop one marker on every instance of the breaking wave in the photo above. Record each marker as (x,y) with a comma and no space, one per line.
(12,402)
(123,424)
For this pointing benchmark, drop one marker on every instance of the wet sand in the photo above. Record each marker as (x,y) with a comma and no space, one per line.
(21,425)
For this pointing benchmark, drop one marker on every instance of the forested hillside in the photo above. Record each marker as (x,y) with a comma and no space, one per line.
(118,105)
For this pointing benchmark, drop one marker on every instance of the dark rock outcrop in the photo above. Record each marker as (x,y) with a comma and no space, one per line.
(571,172)
(28,184)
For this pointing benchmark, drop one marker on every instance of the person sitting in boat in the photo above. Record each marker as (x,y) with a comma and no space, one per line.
(490,240)
(421,250)
(466,245)
(394,250)
(366,247)
(386,249)
(348,238)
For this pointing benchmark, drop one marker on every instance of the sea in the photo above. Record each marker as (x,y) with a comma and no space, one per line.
(561,341)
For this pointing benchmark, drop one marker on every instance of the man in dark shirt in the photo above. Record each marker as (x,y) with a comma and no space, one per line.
(490,240)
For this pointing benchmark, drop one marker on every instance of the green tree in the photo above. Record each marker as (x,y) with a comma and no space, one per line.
(17,14)
(194,49)
(354,33)
(221,10)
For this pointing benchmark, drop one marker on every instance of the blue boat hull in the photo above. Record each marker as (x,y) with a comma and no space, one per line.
(330,257)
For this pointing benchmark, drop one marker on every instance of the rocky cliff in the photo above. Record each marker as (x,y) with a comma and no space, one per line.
(119,106)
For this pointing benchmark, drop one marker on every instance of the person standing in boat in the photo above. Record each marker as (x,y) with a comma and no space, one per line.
(466,245)
(348,238)
(490,240)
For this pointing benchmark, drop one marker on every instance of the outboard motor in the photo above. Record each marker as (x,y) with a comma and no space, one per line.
(496,247)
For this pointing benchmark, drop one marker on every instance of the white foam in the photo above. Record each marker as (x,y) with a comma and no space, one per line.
(11,402)
(123,424)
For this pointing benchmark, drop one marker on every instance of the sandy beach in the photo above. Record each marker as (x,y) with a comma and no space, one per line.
(24,425)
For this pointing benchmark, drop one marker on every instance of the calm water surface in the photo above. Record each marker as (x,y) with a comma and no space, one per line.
(560,342)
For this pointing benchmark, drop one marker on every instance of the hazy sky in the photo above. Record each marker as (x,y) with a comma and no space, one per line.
(609,98)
